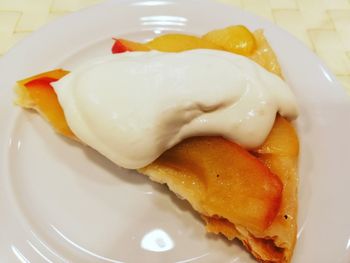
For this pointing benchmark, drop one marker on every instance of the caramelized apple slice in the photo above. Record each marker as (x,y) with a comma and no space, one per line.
(237,39)
(280,154)
(282,140)
(38,93)
(260,52)
(123,45)
(165,43)
(264,55)
(55,74)
(180,42)
(228,181)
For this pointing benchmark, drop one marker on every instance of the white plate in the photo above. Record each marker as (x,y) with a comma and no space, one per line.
(62,202)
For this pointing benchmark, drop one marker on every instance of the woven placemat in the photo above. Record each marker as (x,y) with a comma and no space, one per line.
(323,25)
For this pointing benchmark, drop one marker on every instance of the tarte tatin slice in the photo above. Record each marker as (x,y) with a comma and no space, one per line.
(249,194)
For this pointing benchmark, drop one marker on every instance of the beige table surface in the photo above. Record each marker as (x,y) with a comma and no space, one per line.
(323,25)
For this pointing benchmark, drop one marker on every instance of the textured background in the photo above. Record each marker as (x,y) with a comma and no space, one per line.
(323,25)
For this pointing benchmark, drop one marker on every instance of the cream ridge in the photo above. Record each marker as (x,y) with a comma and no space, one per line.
(133,106)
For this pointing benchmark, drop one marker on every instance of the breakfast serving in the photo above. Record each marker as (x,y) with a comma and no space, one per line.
(209,116)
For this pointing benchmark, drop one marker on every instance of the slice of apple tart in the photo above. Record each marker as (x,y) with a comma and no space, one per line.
(246,194)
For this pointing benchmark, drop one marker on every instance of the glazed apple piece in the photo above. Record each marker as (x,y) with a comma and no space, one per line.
(38,93)
(55,74)
(256,46)
(280,153)
(180,42)
(282,140)
(237,39)
(123,45)
(264,54)
(230,182)
(164,43)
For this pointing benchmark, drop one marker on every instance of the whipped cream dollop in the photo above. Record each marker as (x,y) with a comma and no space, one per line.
(133,106)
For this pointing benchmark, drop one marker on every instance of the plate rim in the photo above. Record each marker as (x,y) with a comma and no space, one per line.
(335,83)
